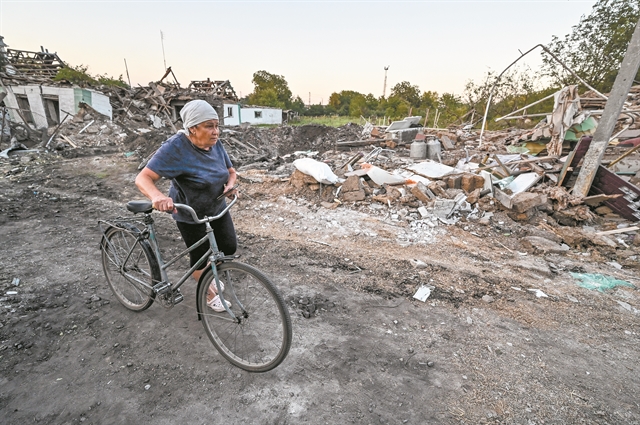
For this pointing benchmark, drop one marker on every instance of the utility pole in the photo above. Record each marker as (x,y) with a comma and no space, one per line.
(384,88)
(127,68)
(610,115)
(162,42)
(309,99)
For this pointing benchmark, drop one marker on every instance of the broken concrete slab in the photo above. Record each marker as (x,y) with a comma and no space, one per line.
(520,184)
(431,169)
(421,192)
(538,245)
(524,201)
(380,176)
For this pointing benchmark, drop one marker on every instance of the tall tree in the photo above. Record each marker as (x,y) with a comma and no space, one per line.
(407,92)
(342,101)
(596,46)
(270,90)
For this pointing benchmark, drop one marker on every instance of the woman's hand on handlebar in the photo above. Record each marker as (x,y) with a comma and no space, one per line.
(163,203)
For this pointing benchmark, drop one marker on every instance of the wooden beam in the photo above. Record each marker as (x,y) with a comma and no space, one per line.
(612,109)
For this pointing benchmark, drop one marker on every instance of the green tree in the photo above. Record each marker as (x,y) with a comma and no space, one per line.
(516,88)
(341,102)
(451,109)
(270,90)
(407,92)
(315,111)
(596,46)
(298,105)
(358,106)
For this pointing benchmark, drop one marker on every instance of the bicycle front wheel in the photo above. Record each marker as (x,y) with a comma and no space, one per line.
(130,267)
(260,337)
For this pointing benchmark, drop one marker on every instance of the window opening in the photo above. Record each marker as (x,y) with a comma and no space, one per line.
(25,108)
(257,114)
(51,109)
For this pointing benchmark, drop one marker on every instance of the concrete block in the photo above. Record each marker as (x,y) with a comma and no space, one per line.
(438,188)
(540,245)
(453,182)
(352,184)
(353,196)
(474,196)
(420,192)
(299,179)
(524,201)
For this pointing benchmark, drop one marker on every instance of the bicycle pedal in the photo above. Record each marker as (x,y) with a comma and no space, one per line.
(177,298)
(161,288)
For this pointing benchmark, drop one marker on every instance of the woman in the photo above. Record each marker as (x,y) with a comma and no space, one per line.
(200,171)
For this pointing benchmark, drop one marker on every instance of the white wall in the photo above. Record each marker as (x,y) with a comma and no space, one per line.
(234,117)
(269,115)
(248,115)
(68,99)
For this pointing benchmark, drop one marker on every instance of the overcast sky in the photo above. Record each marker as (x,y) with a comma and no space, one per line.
(320,47)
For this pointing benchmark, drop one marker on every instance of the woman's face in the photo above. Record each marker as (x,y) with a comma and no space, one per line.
(205,134)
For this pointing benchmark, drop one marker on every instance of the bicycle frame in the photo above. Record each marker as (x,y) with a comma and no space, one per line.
(213,254)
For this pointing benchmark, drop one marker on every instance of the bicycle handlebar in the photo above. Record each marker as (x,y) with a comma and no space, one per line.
(206,219)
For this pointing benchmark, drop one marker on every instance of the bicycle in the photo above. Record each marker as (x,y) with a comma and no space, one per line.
(254,333)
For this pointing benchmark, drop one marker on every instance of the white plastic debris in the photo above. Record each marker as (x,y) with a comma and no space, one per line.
(316,169)
(422,293)
(539,293)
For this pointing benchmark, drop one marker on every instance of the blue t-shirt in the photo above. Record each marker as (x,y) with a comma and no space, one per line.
(197,176)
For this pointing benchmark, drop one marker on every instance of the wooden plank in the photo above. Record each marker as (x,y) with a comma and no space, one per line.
(68,140)
(596,200)
(576,156)
(236,141)
(367,142)
(617,98)
(614,231)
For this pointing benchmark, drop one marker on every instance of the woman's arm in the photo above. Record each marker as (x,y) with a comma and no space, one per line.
(231,182)
(146,182)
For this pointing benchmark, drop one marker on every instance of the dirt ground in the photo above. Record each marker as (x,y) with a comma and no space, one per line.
(482,349)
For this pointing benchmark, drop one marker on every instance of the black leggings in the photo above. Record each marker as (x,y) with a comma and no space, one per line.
(223,230)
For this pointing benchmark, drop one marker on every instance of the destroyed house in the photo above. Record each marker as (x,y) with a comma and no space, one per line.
(33,98)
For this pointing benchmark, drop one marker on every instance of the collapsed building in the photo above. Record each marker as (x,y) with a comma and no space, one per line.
(36,104)
(421,178)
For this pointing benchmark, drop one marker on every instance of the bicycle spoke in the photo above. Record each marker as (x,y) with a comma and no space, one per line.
(130,268)
(259,341)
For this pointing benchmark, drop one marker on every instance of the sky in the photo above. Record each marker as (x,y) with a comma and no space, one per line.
(319,47)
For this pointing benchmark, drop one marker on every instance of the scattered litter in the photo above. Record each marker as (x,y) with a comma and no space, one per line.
(539,293)
(422,293)
(418,264)
(12,292)
(615,264)
(628,307)
(15,281)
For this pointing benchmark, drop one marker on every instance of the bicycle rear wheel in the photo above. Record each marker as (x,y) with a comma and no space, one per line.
(260,338)
(130,267)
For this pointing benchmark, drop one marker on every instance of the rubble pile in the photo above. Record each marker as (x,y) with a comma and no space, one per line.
(421,179)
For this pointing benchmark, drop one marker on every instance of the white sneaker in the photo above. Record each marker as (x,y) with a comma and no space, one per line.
(214,289)
(216,304)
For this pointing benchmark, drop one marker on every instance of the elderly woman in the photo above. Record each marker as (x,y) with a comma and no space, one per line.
(200,171)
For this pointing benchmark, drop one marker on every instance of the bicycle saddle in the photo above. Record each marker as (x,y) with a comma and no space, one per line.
(139,206)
